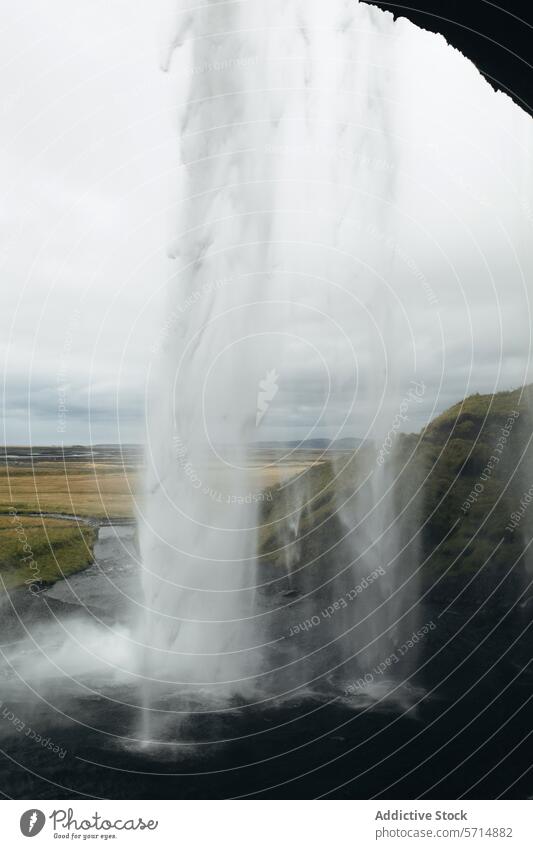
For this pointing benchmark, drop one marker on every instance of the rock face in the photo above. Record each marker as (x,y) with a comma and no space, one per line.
(463,492)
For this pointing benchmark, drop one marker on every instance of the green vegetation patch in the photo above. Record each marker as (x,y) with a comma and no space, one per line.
(36,552)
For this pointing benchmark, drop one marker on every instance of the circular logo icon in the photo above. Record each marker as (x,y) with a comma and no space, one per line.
(32,822)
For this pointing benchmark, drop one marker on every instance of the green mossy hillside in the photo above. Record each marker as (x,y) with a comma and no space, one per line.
(458,484)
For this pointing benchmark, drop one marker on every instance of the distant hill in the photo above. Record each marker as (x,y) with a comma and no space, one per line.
(129,453)
(345,444)
(132,451)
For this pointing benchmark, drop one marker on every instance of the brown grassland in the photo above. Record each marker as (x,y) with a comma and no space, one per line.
(37,550)
(38,547)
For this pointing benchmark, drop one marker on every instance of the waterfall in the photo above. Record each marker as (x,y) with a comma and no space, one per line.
(283,255)
(295,311)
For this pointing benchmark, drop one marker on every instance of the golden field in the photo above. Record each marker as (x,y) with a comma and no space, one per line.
(37,550)
(96,490)
(100,490)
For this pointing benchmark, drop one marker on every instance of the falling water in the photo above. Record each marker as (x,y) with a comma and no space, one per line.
(281,303)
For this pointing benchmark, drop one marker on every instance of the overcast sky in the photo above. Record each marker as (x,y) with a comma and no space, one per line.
(86,141)
(89,156)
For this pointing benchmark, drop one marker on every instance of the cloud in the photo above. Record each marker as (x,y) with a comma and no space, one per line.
(90,166)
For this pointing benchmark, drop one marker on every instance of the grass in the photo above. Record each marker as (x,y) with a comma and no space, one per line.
(40,550)
(36,551)
(97,490)
(466,417)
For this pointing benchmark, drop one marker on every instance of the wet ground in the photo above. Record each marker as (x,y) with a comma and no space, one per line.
(71,722)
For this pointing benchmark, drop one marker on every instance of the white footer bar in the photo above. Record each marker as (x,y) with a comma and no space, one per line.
(267,824)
